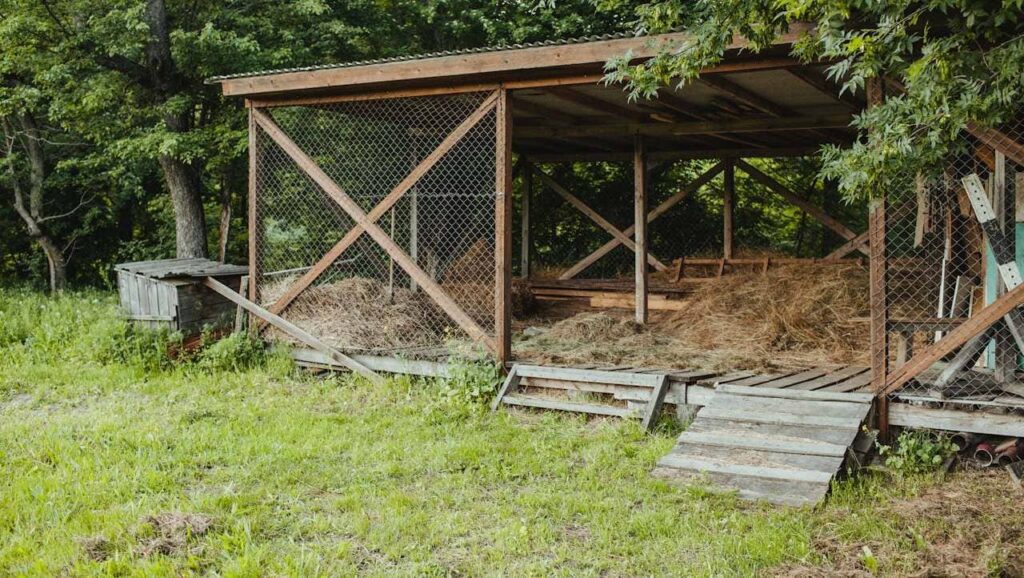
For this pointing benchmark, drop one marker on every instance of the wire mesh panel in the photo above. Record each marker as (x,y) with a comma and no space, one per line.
(948,257)
(423,169)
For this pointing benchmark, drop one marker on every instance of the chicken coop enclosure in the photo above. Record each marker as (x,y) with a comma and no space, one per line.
(506,203)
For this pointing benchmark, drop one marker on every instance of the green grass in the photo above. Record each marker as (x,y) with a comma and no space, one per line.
(305,476)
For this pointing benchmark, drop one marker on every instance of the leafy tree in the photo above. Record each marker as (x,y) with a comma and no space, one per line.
(946,63)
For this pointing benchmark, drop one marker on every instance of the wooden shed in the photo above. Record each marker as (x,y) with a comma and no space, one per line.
(396,207)
(169,294)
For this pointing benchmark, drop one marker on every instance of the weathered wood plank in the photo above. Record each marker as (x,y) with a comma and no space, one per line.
(588,408)
(784,382)
(746,456)
(905,415)
(593,375)
(795,394)
(722,467)
(832,378)
(778,418)
(744,440)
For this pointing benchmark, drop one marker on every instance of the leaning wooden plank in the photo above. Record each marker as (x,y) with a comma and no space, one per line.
(426,282)
(385,204)
(290,328)
(795,394)
(1005,424)
(597,218)
(594,375)
(966,331)
(653,410)
(651,216)
(728,439)
(545,403)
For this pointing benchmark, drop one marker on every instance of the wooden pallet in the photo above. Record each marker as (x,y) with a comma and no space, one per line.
(656,386)
(779,445)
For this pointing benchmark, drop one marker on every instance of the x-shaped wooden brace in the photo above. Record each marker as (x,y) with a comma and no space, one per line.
(600,221)
(365,222)
(658,211)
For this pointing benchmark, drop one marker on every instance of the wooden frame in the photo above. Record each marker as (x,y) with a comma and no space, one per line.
(367,224)
(640,228)
(503,229)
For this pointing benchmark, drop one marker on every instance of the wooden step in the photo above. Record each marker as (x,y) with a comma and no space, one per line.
(557,404)
(780,445)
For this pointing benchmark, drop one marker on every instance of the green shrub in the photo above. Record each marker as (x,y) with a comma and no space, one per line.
(144,348)
(470,382)
(917,452)
(236,352)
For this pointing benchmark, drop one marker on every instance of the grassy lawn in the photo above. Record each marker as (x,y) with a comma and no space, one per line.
(113,462)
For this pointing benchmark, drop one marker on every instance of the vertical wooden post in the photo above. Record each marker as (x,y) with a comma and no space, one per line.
(728,200)
(877,274)
(254,226)
(414,227)
(525,245)
(640,227)
(503,229)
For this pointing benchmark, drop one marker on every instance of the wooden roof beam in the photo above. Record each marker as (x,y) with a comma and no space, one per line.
(676,154)
(688,128)
(600,105)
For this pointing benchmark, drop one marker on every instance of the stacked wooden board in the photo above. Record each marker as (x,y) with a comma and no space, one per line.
(779,445)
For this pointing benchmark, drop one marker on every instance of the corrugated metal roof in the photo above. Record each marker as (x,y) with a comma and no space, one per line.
(496,48)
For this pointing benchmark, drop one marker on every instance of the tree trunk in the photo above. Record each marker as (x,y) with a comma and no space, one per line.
(33,214)
(189,220)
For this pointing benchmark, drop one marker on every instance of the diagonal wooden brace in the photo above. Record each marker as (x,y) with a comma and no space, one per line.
(597,218)
(654,214)
(385,205)
(430,287)
(814,211)
(290,328)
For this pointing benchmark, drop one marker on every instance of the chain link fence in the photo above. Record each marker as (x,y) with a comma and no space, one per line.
(364,300)
(945,252)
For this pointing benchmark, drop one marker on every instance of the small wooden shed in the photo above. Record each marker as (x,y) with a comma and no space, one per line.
(170,293)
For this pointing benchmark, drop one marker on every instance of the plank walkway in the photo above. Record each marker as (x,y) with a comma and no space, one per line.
(783,446)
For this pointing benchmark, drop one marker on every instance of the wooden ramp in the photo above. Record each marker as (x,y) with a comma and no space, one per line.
(779,445)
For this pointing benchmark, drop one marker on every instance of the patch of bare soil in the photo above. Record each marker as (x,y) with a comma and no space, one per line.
(172,532)
(970,525)
(96,548)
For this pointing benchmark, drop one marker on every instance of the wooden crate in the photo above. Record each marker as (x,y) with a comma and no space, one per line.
(169,294)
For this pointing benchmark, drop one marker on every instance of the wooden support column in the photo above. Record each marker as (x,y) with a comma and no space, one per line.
(254,228)
(503,229)
(640,227)
(877,274)
(728,201)
(524,240)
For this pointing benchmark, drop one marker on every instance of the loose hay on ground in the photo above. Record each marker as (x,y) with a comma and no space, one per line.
(793,316)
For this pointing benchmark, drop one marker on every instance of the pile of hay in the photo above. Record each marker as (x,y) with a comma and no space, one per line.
(792,317)
(357,313)
(470,281)
(797,309)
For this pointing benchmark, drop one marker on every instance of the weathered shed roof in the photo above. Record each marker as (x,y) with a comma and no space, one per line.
(176,268)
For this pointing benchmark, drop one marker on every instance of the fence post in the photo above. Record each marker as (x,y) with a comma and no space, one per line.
(728,200)
(878,273)
(254,223)
(640,227)
(503,228)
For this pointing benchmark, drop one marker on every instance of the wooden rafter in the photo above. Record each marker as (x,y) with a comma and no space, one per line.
(689,128)
(595,216)
(825,86)
(427,283)
(599,104)
(384,206)
(675,154)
